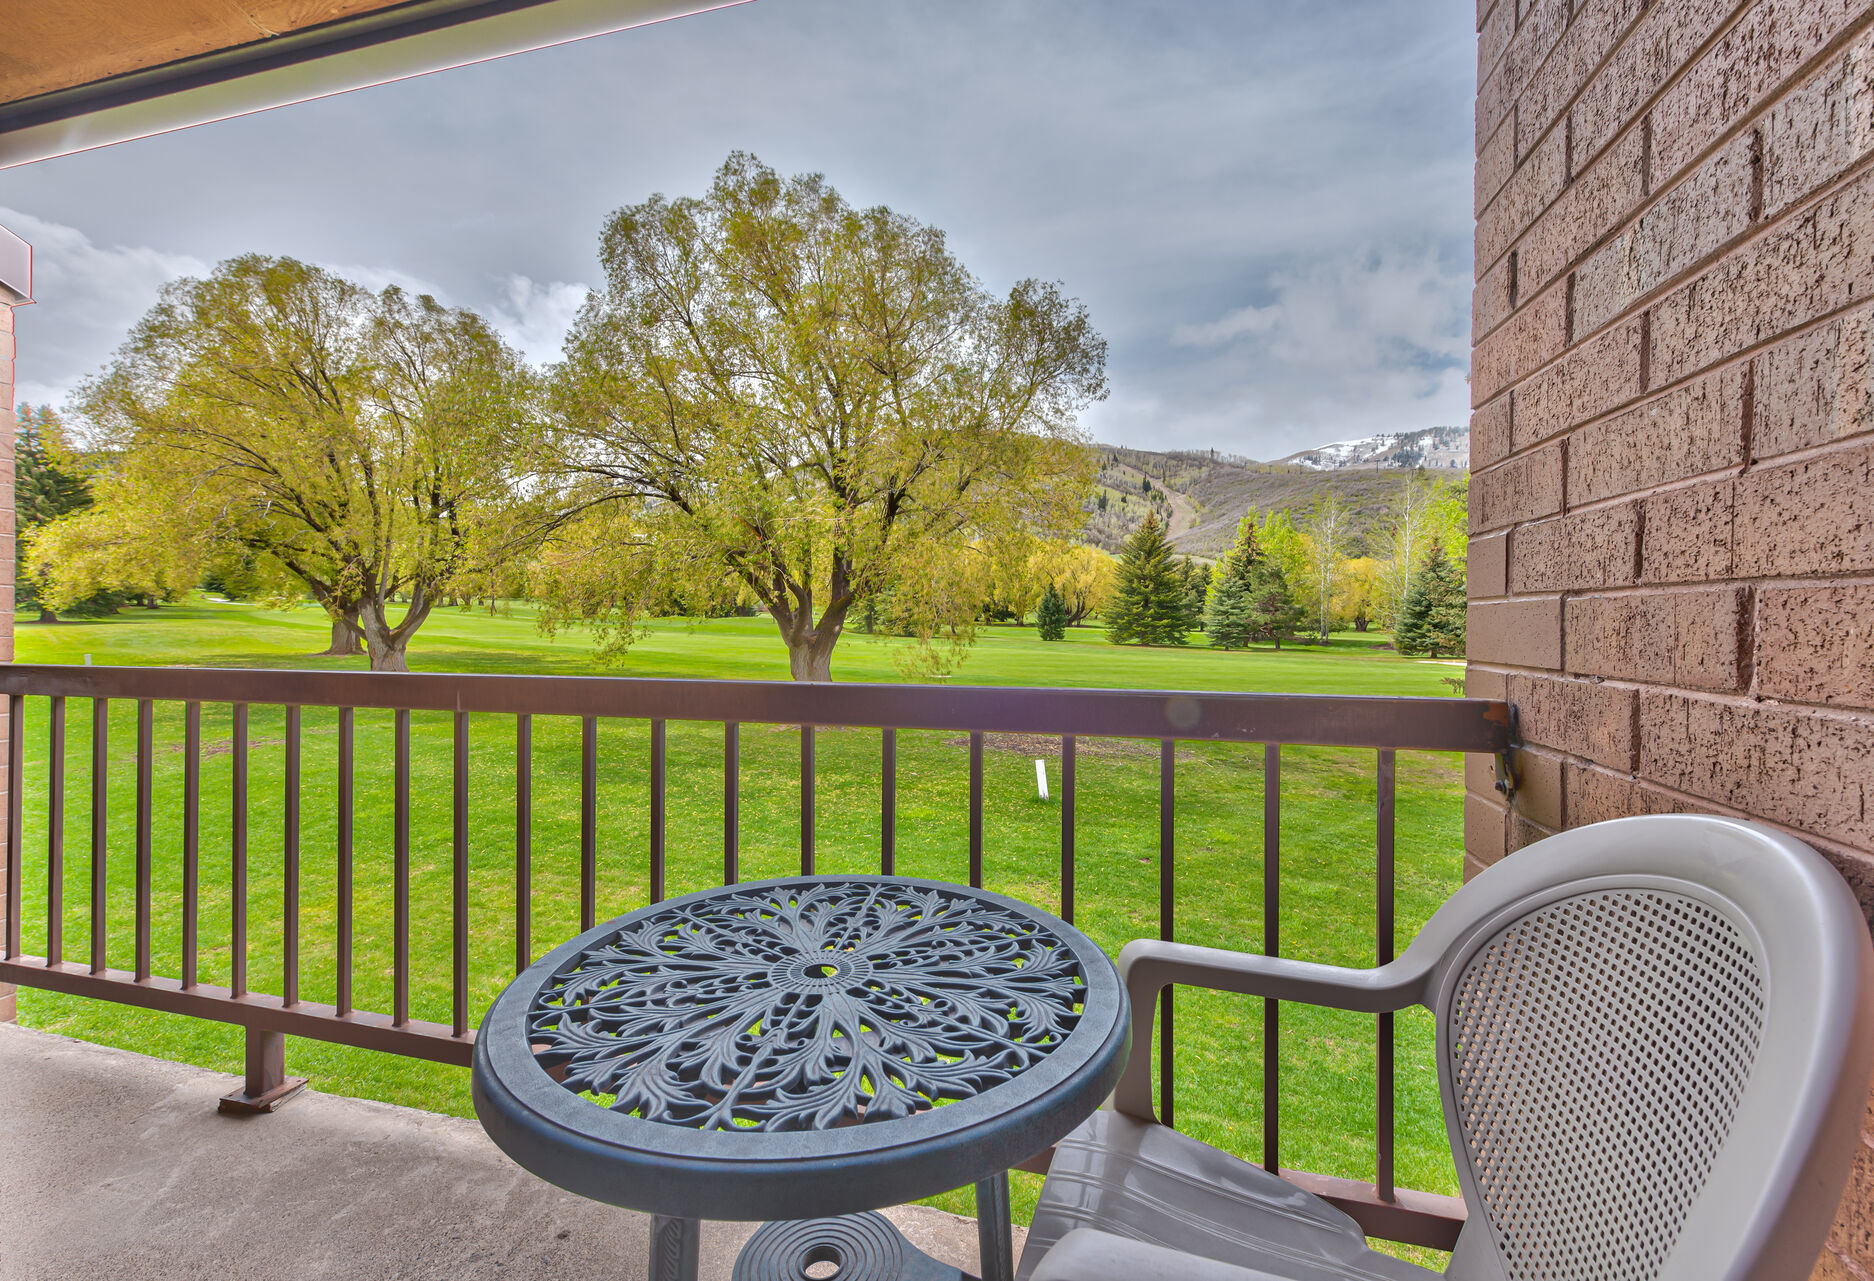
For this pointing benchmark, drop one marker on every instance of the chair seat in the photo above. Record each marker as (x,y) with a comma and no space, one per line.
(1142,1181)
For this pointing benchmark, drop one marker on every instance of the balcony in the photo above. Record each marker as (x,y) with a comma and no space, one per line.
(363,860)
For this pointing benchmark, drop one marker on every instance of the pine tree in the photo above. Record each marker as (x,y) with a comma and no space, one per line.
(1051,615)
(1148,602)
(1196,579)
(1227,615)
(44,490)
(1274,613)
(1432,621)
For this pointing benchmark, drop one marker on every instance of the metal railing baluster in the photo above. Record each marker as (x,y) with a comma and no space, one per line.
(888,803)
(659,766)
(289,979)
(588,822)
(523,841)
(1067,828)
(145,780)
(731,802)
(400,890)
(976,808)
(55,835)
(347,811)
(459,851)
(1271,946)
(1167,917)
(806,800)
(16,816)
(237,851)
(191,842)
(100,831)
(1384,926)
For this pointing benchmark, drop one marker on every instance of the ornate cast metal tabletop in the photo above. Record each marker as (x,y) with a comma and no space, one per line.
(801,1048)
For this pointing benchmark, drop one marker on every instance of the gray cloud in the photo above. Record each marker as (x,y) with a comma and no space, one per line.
(1265,205)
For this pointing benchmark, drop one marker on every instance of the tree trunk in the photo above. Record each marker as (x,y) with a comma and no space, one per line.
(344,635)
(47,616)
(811,660)
(386,644)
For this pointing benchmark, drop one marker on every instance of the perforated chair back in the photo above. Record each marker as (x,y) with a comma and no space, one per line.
(1654,1044)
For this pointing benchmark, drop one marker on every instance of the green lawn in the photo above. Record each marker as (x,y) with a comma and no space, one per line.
(1327,842)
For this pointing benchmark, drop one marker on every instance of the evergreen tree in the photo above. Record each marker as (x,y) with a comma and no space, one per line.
(1148,602)
(1227,614)
(45,488)
(1432,621)
(1051,615)
(1274,613)
(1248,597)
(1196,579)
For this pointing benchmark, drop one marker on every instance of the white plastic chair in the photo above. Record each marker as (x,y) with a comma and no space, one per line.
(1654,1043)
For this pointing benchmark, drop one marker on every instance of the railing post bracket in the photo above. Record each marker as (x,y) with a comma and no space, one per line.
(267,1087)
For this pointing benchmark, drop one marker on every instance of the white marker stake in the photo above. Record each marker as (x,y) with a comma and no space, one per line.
(1041,777)
(87,660)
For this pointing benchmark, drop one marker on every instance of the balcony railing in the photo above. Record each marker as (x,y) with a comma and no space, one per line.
(1386,725)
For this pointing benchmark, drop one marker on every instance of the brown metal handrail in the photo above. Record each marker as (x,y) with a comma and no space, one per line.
(1387,725)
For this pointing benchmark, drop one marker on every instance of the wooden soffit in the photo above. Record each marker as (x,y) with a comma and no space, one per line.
(76,74)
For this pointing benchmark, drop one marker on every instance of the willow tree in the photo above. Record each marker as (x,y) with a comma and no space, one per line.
(358,441)
(781,396)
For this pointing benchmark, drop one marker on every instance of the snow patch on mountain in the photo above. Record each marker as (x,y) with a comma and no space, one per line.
(1439,448)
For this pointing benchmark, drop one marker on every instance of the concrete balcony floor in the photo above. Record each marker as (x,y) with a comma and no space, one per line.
(117,1167)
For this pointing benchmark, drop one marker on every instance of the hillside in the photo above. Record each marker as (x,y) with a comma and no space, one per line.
(1433,448)
(1202,496)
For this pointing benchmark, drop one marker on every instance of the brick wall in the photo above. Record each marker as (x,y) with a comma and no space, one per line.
(1672,450)
(6,586)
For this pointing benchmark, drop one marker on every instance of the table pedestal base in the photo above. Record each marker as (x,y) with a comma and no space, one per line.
(859,1247)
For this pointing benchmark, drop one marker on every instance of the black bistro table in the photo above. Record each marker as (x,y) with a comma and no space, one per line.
(803,1051)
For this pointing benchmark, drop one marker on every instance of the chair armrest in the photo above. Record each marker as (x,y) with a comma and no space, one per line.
(1087,1254)
(1147,966)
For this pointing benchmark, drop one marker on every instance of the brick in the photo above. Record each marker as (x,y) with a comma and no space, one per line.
(1481,682)
(1811,770)
(1690,640)
(1584,718)
(1853,1230)
(1816,387)
(1524,833)
(1809,517)
(1516,633)
(1595,30)
(1593,378)
(1494,30)
(1539,24)
(1587,212)
(1534,184)
(1815,262)
(9,1003)
(1487,567)
(1820,129)
(1688,534)
(1669,33)
(1530,339)
(1693,429)
(1490,299)
(1490,432)
(1594,795)
(1683,227)
(1764,48)
(1526,487)
(1486,830)
(1816,644)
(1833,1267)
(1496,161)
(1578,552)
(1539,797)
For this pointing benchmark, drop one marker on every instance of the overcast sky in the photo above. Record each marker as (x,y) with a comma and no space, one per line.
(1266,205)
